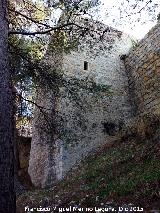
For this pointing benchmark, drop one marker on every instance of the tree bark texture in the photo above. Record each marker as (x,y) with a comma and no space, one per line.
(7,196)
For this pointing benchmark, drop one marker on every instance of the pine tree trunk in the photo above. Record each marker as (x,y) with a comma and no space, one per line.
(7,196)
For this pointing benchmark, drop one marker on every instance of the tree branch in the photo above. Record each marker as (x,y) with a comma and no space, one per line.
(32,102)
(41,109)
(43,32)
(29,18)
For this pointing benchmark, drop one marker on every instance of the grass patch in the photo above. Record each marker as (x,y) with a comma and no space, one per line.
(129,171)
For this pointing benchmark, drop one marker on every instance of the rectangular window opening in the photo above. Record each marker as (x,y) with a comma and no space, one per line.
(85,65)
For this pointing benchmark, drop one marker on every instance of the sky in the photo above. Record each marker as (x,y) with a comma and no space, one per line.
(143,18)
(121,15)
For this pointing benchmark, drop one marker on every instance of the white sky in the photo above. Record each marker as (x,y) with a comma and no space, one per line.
(122,16)
(137,24)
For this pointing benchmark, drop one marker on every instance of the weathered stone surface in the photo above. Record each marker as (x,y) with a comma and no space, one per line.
(85,116)
(83,130)
(41,163)
(142,66)
(81,117)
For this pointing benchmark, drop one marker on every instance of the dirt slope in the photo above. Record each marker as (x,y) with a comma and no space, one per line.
(125,172)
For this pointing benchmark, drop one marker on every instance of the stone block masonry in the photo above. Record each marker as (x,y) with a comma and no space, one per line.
(143,70)
(86,115)
(86,128)
(90,117)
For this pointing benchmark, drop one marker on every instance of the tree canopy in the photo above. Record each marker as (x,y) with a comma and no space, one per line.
(32,25)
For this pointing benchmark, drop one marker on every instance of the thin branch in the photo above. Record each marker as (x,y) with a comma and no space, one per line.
(29,33)
(145,6)
(44,32)
(32,102)
(139,10)
(29,18)
(41,109)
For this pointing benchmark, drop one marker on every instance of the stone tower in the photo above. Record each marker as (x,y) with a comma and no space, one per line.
(88,112)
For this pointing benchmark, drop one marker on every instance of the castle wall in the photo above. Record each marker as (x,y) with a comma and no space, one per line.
(84,113)
(45,151)
(99,118)
(143,70)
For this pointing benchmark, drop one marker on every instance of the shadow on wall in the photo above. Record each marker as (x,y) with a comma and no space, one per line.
(112,128)
(23,155)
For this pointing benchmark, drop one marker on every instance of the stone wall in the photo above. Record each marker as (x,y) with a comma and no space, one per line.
(85,113)
(143,70)
(44,151)
(95,122)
